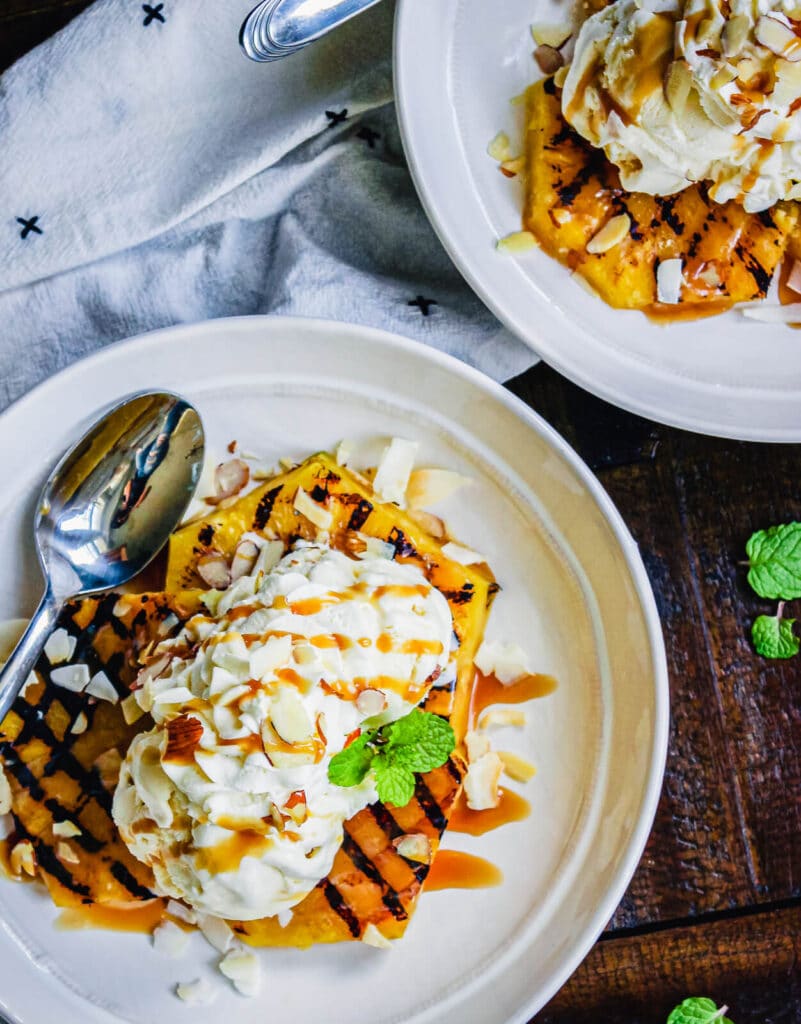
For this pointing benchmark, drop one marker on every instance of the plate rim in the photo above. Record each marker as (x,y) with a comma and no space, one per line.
(629,549)
(471,269)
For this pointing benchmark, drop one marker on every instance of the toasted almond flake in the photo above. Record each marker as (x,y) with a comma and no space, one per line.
(6,796)
(550,34)
(131,711)
(181,911)
(481,782)
(430,523)
(507,662)
(308,507)
(394,471)
(242,969)
(516,767)
(430,486)
(517,241)
(459,553)
(108,765)
(669,281)
(60,646)
(778,37)
(174,695)
(610,235)
(80,724)
(197,993)
(734,35)
(415,846)
(229,479)
(371,936)
(22,858)
(66,829)
(66,853)
(214,571)
(101,686)
(477,745)
(216,932)
(169,939)
(501,718)
(499,149)
(548,59)
(371,702)
(770,314)
(560,76)
(244,559)
(71,677)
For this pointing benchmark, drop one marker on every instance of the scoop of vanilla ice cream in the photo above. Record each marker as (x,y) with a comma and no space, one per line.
(228,797)
(677,93)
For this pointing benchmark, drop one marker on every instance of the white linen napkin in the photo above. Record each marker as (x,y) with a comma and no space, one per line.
(150,174)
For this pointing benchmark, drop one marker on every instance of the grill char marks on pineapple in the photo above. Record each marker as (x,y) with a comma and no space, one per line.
(572,191)
(52,771)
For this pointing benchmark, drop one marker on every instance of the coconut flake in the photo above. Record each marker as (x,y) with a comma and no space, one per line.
(507,662)
(101,686)
(477,745)
(415,846)
(374,547)
(167,626)
(242,969)
(66,853)
(394,471)
(769,314)
(216,932)
(308,507)
(500,148)
(71,677)
(197,993)
(182,912)
(170,940)
(516,767)
(669,281)
(459,553)
(481,782)
(371,936)
(60,646)
(66,829)
(501,718)
(344,452)
(429,486)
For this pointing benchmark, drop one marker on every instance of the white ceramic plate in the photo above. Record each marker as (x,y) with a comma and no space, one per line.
(457,65)
(574,593)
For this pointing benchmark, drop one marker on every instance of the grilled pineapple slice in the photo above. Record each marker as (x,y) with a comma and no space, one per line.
(572,191)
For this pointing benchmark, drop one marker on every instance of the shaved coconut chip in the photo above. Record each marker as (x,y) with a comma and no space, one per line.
(284,916)
(429,486)
(768,314)
(430,523)
(131,711)
(216,932)
(394,471)
(108,765)
(175,695)
(7,825)
(344,452)
(197,993)
(371,936)
(315,513)
(462,555)
(183,913)
(71,677)
(371,702)
(22,858)
(60,646)
(477,745)
(548,59)
(500,148)
(794,277)
(669,281)
(551,35)
(516,767)
(501,718)
(481,782)
(374,547)
(229,479)
(709,275)
(6,797)
(214,571)
(100,686)
(66,853)
(517,241)
(170,940)
(416,846)
(80,724)
(507,662)
(244,559)
(242,968)
(66,829)
(168,625)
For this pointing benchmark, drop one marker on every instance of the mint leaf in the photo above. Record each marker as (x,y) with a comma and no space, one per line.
(774,638)
(698,1010)
(774,556)
(393,782)
(420,742)
(349,766)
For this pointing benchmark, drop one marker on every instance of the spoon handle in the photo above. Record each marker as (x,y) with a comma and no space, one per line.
(276,28)
(18,667)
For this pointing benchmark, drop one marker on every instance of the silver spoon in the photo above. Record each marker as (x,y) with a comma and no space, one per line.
(107,509)
(276,28)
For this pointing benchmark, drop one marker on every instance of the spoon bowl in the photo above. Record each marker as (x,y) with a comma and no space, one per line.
(107,509)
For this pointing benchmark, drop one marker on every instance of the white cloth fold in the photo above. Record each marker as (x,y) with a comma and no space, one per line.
(150,174)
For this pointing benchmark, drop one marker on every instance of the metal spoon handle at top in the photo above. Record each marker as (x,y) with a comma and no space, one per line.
(23,658)
(277,28)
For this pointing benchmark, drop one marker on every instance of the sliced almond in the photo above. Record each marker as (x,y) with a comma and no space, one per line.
(678,82)
(230,478)
(66,829)
(430,523)
(554,35)
(71,677)
(610,235)
(778,37)
(60,646)
(722,77)
(80,725)
(243,971)
(244,559)
(516,767)
(308,507)
(499,149)
(183,736)
(477,745)
(788,82)
(101,686)
(289,717)
(371,936)
(709,274)
(371,702)
(23,858)
(502,718)
(416,846)
(214,571)
(65,853)
(735,34)
(517,241)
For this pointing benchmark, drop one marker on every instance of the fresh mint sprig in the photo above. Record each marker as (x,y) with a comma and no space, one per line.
(698,1010)
(774,571)
(418,742)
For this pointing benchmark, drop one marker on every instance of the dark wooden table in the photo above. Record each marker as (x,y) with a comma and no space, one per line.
(715,906)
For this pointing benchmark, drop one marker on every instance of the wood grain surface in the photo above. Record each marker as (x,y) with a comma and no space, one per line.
(715,906)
